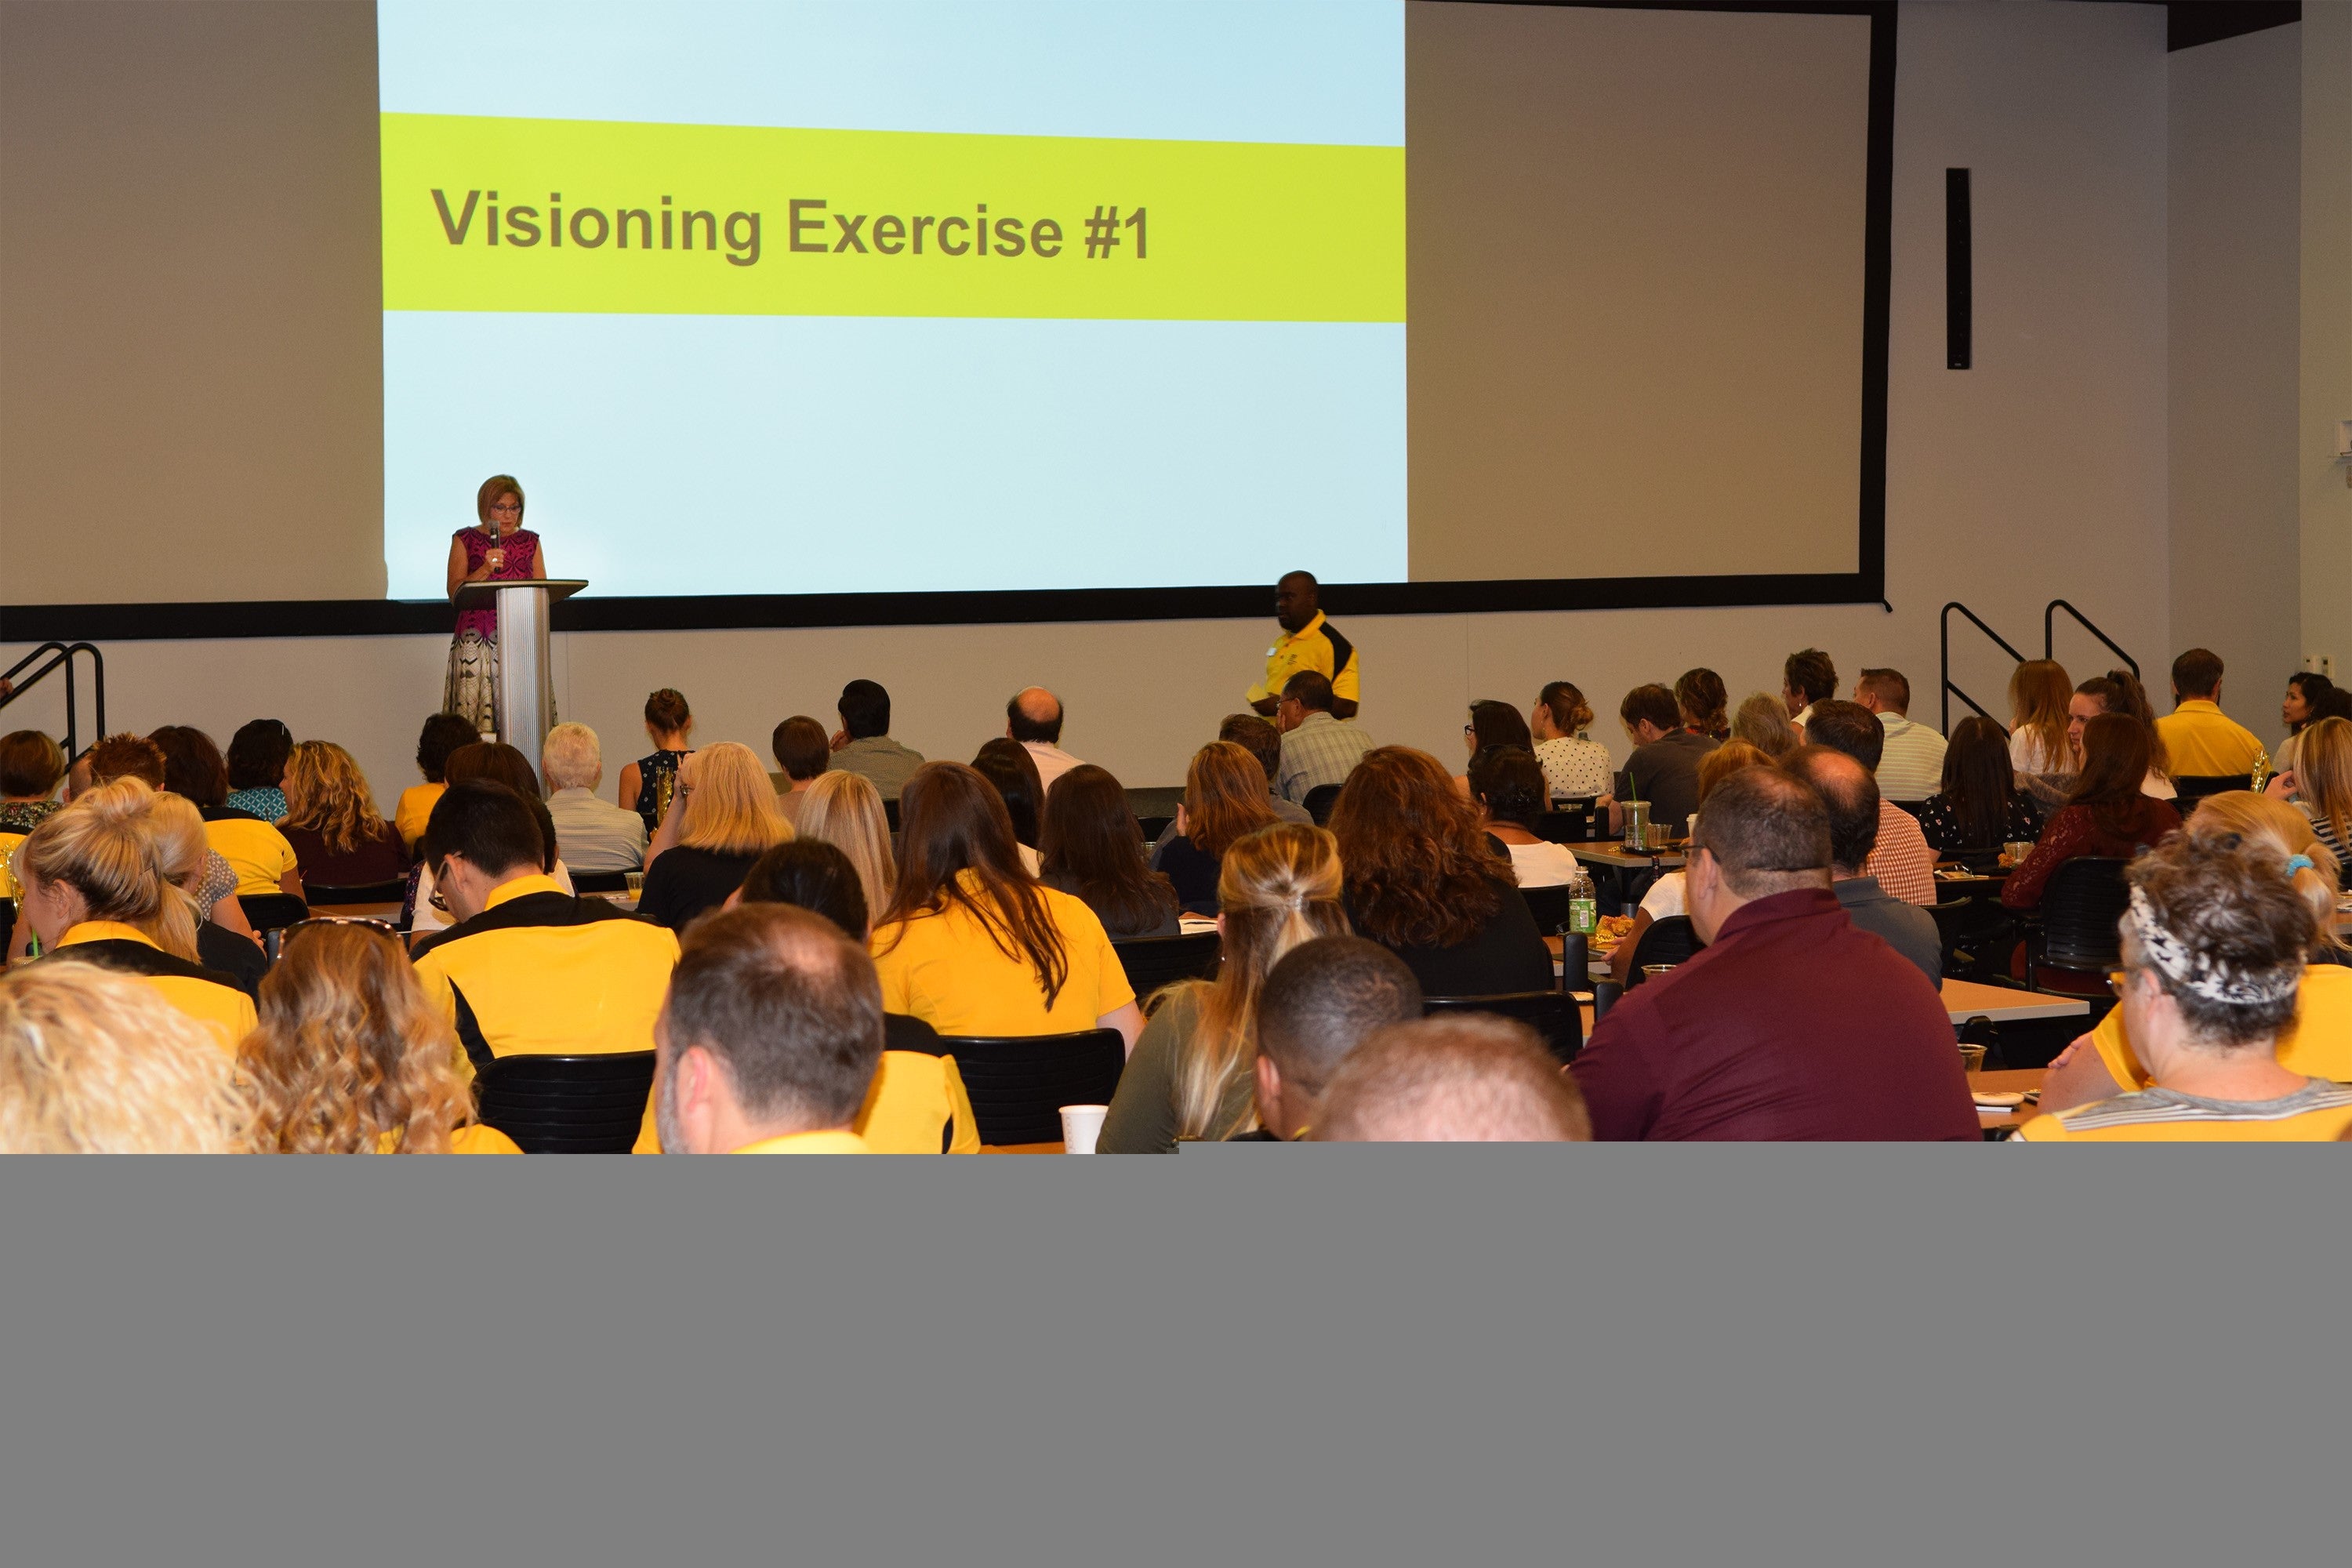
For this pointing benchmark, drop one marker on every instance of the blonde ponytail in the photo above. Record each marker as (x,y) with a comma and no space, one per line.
(115,846)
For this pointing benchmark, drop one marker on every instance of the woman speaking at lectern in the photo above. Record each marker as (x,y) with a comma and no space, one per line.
(500,549)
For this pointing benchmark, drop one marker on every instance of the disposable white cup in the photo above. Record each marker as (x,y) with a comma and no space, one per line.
(1081,1125)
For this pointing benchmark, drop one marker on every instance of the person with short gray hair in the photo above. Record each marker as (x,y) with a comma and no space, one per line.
(1792,1024)
(1459,1078)
(596,836)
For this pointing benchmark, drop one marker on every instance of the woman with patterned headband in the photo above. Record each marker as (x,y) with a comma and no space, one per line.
(2214,946)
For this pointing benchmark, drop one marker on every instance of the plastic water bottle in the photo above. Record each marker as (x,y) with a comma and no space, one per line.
(1583,908)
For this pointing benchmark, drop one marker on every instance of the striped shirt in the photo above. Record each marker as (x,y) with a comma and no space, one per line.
(1911,767)
(1321,750)
(2318,1112)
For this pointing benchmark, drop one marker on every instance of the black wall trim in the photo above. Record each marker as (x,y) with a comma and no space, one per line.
(1959,287)
(1865,585)
(2188,23)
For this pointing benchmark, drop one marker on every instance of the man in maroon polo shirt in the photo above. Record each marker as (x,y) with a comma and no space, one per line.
(1792,1024)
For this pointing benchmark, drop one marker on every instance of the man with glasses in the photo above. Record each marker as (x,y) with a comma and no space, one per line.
(1316,748)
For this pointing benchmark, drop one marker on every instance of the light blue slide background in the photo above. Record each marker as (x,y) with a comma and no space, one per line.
(1213,70)
(817,454)
(674,455)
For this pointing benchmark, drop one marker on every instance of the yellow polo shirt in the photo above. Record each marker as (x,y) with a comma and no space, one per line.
(946,969)
(837,1140)
(540,972)
(8,843)
(476,1139)
(2316,1043)
(2203,742)
(190,987)
(2318,1113)
(253,849)
(415,810)
(916,1105)
(1317,646)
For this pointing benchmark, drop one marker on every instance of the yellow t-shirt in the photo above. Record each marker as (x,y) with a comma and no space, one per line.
(947,970)
(2203,742)
(255,850)
(474,1139)
(2317,1113)
(540,972)
(835,1140)
(913,1099)
(1317,646)
(8,842)
(227,1012)
(2318,1044)
(415,810)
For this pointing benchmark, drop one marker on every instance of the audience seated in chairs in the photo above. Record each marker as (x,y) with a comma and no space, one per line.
(2119,692)
(2320,784)
(1911,760)
(95,1062)
(802,753)
(1092,848)
(490,761)
(1979,808)
(1008,765)
(2215,946)
(770,1038)
(916,1103)
(724,817)
(2199,740)
(2316,1041)
(1191,1075)
(1575,765)
(1763,722)
(1222,804)
(972,944)
(1792,1024)
(1261,739)
(257,768)
(1316,748)
(350,1057)
(845,810)
(1507,784)
(527,969)
(1033,718)
(330,820)
(1851,795)
(1704,699)
(1323,999)
(2045,765)
(2106,813)
(443,733)
(597,837)
(1467,1078)
(135,756)
(1902,863)
(1664,768)
(97,887)
(255,849)
(1423,880)
(1667,898)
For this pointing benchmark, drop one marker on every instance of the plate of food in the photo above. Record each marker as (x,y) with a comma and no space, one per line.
(1612,930)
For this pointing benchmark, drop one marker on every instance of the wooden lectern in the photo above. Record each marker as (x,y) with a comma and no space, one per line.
(526,689)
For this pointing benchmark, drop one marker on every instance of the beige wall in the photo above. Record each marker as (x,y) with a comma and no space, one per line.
(190,322)
(2040,472)
(2235,279)
(2326,394)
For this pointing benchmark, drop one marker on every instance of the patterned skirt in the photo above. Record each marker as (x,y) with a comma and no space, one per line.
(471,687)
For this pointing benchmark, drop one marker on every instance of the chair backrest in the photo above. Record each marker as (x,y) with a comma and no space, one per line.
(1554,1015)
(1151,962)
(600,881)
(7,923)
(2079,906)
(891,812)
(1319,802)
(1019,1084)
(568,1105)
(1154,826)
(1569,821)
(356,893)
(2194,787)
(1549,905)
(274,912)
(1669,940)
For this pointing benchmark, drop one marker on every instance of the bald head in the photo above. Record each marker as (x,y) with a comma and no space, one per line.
(1469,1078)
(1033,714)
(1850,790)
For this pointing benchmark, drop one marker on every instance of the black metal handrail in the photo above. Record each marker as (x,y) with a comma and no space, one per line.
(2048,633)
(1944,641)
(61,655)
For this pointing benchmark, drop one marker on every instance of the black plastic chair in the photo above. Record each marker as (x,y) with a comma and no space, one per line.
(568,1105)
(2194,787)
(1151,962)
(1319,802)
(2075,937)
(1019,1084)
(1154,826)
(276,912)
(1554,1015)
(390,892)
(7,923)
(1569,821)
(1952,926)
(600,881)
(1549,905)
(1913,806)
(891,812)
(1669,940)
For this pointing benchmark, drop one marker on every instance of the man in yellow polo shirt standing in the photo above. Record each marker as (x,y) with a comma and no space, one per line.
(2199,740)
(1307,642)
(771,1034)
(529,970)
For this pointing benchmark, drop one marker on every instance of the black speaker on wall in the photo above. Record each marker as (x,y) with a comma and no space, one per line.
(1960,305)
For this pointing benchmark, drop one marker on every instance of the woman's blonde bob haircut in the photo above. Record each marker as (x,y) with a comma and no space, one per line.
(93,1062)
(845,810)
(326,791)
(349,1057)
(730,806)
(112,846)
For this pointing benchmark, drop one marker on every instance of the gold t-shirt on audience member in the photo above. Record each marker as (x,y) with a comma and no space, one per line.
(2318,1044)
(948,970)
(255,850)
(415,810)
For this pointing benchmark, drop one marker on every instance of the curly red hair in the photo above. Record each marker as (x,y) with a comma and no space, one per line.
(1418,870)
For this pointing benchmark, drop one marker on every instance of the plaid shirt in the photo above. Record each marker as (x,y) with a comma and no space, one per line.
(1321,751)
(1904,865)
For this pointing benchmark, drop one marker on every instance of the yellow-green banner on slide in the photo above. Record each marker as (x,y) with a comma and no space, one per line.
(592,215)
